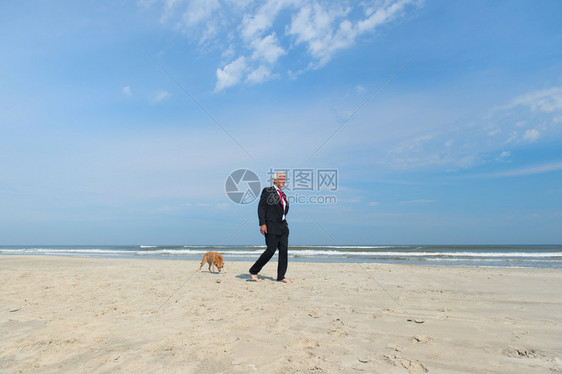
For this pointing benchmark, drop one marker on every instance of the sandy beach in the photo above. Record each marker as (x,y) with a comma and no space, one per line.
(92,315)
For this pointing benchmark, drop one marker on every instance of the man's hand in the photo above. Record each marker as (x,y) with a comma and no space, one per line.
(263,229)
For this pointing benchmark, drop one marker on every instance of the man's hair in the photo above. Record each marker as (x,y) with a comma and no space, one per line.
(278,174)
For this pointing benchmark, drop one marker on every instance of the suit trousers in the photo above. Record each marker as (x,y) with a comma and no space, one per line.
(274,242)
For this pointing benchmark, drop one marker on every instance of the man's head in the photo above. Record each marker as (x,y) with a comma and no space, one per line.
(279,179)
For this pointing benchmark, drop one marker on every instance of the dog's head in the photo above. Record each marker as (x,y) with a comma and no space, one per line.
(219,264)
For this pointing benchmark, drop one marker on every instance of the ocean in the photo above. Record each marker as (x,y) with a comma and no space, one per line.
(533,256)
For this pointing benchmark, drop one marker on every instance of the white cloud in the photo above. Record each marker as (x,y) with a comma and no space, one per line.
(325,31)
(549,100)
(539,169)
(360,88)
(264,32)
(490,136)
(146,3)
(199,21)
(414,144)
(169,10)
(512,137)
(229,52)
(199,11)
(382,15)
(261,74)
(253,25)
(231,74)
(127,91)
(161,96)
(503,157)
(531,135)
(316,26)
(267,49)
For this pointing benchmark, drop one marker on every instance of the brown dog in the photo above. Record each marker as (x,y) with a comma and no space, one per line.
(213,259)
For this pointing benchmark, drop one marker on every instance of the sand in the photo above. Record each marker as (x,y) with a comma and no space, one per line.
(88,315)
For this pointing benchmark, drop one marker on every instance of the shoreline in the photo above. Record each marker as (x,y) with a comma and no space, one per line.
(294,260)
(82,314)
(514,256)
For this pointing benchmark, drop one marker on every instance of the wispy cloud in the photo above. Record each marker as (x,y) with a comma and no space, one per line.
(260,75)
(503,157)
(231,74)
(127,91)
(478,139)
(548,100)
(538,169)
(531,135)
(160,96)
(198,11)
(267,49)
(326,30)
(255,37)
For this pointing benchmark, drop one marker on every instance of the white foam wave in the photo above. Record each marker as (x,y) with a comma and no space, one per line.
(197,252)
(51,251)
(222,246)
(351,246)
(336,251)
(426,254)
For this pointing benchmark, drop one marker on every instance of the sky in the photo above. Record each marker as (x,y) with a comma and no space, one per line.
(397,121)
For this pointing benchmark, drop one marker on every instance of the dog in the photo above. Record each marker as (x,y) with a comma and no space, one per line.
(213,259)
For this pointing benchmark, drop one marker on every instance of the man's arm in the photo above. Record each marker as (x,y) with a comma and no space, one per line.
(262,206)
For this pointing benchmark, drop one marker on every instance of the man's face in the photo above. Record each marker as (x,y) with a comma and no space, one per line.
(280,182)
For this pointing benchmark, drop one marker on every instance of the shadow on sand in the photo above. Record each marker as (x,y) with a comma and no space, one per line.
(248,278)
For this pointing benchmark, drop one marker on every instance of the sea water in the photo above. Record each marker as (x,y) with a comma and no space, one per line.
(536,256)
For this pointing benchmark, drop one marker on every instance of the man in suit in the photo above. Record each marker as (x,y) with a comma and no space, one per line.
(272,211)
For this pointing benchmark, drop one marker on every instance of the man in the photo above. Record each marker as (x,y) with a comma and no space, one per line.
(272,211)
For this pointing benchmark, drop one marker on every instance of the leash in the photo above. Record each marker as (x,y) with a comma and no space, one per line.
(411,319)
(173,293)
(195,272)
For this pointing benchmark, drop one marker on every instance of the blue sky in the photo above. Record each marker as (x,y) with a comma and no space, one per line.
(121,121)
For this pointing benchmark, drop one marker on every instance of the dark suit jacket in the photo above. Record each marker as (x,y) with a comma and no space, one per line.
(270,210)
